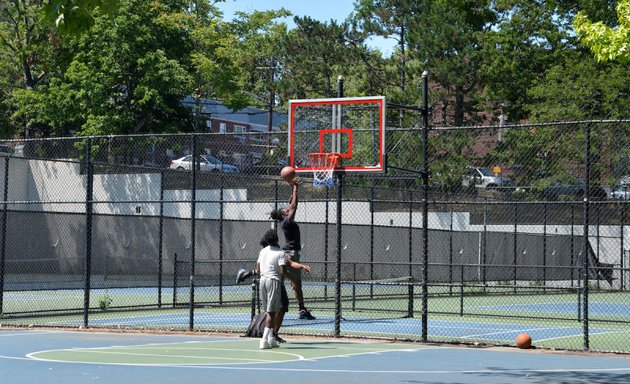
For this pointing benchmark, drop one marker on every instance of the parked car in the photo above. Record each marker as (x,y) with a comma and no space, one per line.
(5,150)
(206,163)
(621,192)
(482,177)
(573,189)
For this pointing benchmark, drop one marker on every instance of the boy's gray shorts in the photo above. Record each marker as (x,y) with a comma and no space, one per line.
(270,294)
(295,256)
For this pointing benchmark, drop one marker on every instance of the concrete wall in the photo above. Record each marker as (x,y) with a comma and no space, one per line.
(56,186)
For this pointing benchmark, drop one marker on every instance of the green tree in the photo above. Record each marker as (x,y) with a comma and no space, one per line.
(128,74)
(259,53)
(445,39)
(528,37)
(389,19)
(606,43)
(76,16)
(314,57)
(580,89)
(213,60)
(30,54)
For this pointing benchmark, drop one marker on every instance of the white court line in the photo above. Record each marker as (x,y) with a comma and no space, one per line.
(14,357)
(150,344)
(514,330)
(354,371)
(29,333)
(185,356)
(582,334)
(505,306)
(301,358)
(435,372)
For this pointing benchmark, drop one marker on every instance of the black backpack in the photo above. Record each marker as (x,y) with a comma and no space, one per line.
(257,326)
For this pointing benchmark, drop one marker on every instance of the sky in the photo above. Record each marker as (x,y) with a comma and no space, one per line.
(322,10)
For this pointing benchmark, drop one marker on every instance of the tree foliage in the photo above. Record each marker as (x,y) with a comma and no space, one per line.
(607,43)
(76,16)
(123,66)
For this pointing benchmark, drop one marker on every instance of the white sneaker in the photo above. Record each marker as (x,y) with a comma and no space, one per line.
(264,344)
(273,342)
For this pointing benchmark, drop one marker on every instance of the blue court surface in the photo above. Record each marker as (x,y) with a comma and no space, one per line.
(71,357)
(565,308)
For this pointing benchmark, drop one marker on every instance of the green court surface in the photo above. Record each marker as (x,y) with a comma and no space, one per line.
(232,351)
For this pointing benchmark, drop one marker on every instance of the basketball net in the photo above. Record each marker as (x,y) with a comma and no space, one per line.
(323,166)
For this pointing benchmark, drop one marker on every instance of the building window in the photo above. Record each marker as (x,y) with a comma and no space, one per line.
(222,127)
(239,129)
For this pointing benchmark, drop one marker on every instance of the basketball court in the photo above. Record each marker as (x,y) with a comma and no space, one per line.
(327,140)
(73,357)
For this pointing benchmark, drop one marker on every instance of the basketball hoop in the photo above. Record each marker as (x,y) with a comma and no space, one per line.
(323,165)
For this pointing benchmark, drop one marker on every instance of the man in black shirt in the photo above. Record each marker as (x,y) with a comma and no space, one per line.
(293,245)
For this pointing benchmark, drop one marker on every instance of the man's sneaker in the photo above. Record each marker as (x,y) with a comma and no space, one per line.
(306,315)
(273,342)
(279,339)
(241,275)
(264,344)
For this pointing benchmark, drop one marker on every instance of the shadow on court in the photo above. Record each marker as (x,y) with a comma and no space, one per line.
(562,377)
(77,357)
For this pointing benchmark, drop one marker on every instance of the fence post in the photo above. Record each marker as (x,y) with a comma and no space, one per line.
(88,230)
(371,238)
(587,176)
(221,210)
(573,244)
(410,287)
(339,176)
(461,288)
(515,245)
(484,243)
(325,241)
(161,242)
(193,202)
(597,241)
(622,264)
(354,286)
(450,254)
(3,245)
(544,255)
(174,280)
(425,203)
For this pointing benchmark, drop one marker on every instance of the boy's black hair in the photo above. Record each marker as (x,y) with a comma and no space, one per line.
(277,215)
(270,238)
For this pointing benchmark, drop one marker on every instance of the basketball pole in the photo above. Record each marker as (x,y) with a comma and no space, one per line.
(339,176)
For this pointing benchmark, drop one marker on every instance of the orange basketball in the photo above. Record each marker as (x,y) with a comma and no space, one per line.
(524,341)
(287,173)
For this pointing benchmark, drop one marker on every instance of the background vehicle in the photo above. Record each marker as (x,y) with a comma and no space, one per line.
(482,177)
(573,189)
(621,192)
(206,163)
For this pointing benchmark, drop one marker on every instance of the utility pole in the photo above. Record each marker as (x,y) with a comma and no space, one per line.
(272,98)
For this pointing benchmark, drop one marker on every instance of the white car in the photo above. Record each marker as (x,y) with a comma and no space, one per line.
(621,192)
(481,177)
(206,163)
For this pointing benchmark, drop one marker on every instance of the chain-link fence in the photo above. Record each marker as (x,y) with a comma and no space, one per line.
(527,232)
